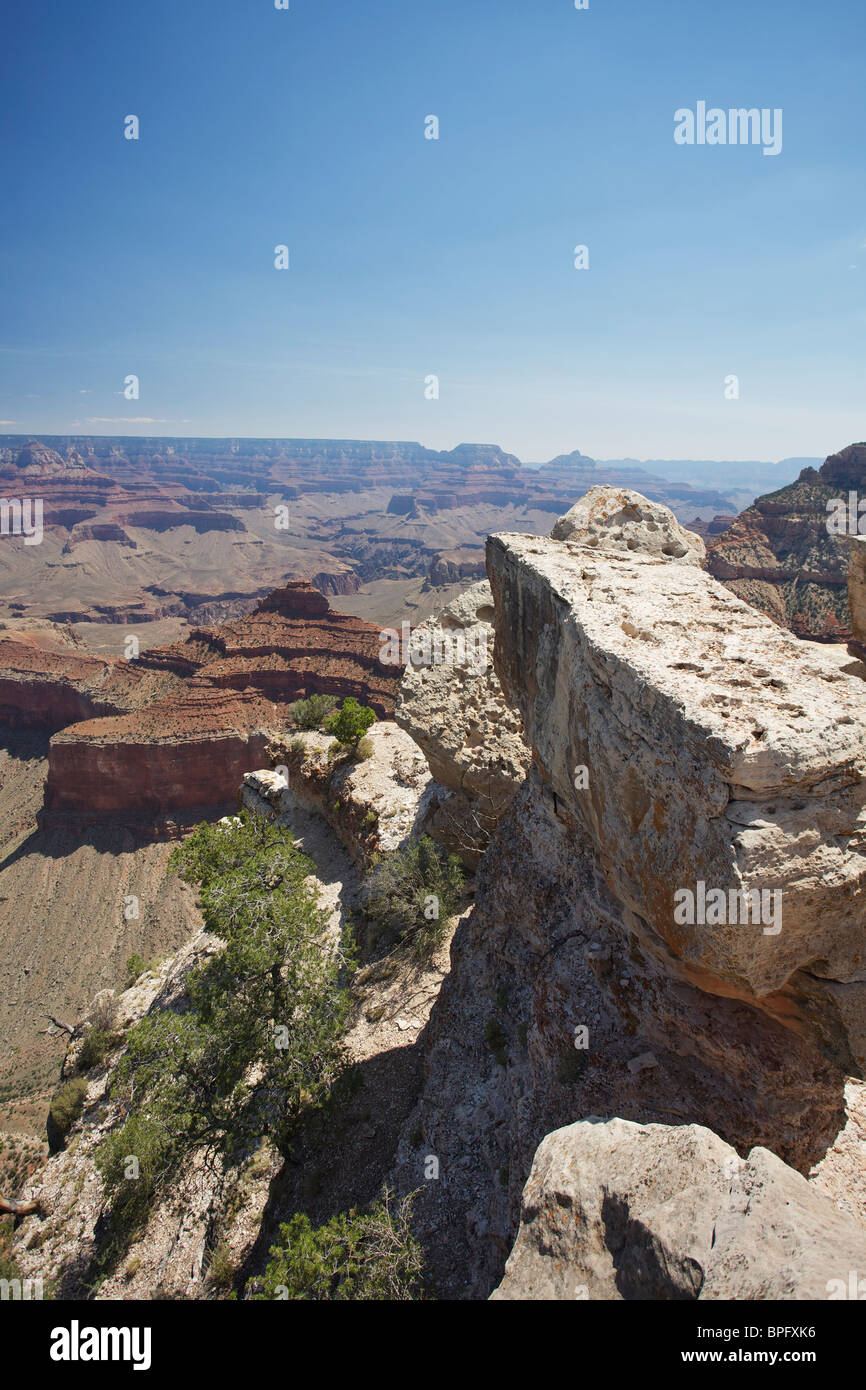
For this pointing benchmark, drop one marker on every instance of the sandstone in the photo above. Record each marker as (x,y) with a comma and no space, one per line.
(375,805)
(857,595)
(623,1211)
(780,556)
(720,754)
(178,727)
(173,756)
(547,949)
(455,711)
(614,518)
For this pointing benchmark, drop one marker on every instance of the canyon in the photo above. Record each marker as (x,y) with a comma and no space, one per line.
(160,534)
(106,761)
(616,1100)
(781,556)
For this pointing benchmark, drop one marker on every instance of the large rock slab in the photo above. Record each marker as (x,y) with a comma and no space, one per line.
(547,953)
(705,750)
(615,1210)
(617,518)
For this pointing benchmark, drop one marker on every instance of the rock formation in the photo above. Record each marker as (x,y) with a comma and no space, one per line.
(452,704)
(781,558)
(681,741)
(180,725)
(623,1211)
(374,804)
(857,595)
(619,519)
(735,762)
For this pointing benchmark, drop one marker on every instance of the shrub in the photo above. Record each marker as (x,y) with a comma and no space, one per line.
(411,893)
(98,1042)
(66,1107)
(349,726)
(129,1186)
(312,712)
(364,750)
(221,1270)
(357,1256)
(104,1011)
(135,967)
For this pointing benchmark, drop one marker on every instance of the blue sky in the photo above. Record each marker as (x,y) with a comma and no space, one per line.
(454,257)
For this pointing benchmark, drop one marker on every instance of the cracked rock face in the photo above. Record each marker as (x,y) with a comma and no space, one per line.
(546,952)
(699,744)
(857,594)
(616,518)
(616,1210)
(451,703)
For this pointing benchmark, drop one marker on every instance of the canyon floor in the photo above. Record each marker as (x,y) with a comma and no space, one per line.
(64,934)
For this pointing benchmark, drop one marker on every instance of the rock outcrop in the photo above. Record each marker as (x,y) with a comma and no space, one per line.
(857,595)
(41,688)
(620,1211)
(781,557)
(618,519)
(179,726)
(293,645)
(173,756)
(681,741)
(547,951)
(452,704)
(710,761)
(375,805)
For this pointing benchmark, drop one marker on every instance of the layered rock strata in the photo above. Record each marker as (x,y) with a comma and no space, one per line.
(781,556)
(180,725)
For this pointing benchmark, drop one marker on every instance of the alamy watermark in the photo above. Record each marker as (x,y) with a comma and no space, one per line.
(17,1289)
(718,907)
(736,126)
(434,647)
(22,517)
(846,517)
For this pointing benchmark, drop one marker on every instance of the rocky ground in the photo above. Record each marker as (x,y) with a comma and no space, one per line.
(343,1155)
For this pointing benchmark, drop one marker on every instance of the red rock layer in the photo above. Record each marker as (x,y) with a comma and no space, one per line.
(293,645)
(44,689)
(179,726)
(170,757)
(779,556)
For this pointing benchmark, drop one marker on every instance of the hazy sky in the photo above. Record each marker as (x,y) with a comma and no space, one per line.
(411,257)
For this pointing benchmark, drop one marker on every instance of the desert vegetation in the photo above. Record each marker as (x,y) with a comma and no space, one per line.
(410,895)
(259,1043)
